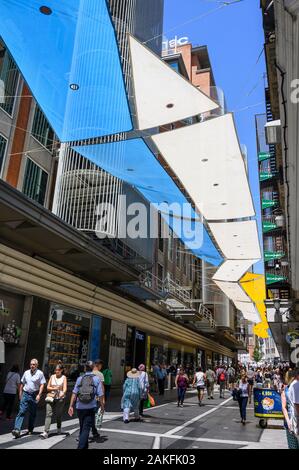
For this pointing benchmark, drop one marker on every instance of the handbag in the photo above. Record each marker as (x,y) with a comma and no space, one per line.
(51,396)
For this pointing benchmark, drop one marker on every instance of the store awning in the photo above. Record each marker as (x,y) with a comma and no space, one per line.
(238,240)
(163,96)
(207,159)
(133,162)
(233,270)
(68,54)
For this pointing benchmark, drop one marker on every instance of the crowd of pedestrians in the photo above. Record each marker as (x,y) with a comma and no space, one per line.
(92,390)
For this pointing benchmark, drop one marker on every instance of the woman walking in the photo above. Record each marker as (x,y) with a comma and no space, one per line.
(144,384)
(57,388)
(199,380)
(11,388)
(288,412)
(131,395)
(243,395)
(181,383)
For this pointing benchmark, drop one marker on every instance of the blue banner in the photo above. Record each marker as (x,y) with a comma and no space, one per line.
(267,403)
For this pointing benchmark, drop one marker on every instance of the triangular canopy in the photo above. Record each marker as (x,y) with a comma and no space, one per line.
(162,96)
(132,161)
(68,54)
(207,159)
(233,270)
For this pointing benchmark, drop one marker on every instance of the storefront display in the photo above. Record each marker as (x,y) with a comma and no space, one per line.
(68,341)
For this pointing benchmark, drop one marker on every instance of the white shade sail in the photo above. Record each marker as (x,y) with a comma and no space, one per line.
(233,291)
(233,270)
(207,159)
(248,311)
(237,240)
(162,96)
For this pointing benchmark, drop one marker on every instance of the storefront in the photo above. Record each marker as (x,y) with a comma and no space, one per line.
(170,353)
(13,332)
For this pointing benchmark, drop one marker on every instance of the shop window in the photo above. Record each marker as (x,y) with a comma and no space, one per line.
(3,144)
(9,78)
(41,129)
(35,182)
(68,341)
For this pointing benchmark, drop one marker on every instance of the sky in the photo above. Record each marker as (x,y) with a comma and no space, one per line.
(235,41)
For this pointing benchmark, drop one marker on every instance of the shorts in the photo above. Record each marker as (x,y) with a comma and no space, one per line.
(200,387)
(250,381)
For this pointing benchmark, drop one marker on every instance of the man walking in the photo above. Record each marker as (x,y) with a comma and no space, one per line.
(161,377)
(87,390)
(211,378)
(32,385)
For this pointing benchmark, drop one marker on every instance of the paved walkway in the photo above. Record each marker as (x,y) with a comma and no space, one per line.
(216,425)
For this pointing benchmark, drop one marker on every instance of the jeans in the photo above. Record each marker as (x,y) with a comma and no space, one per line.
(58,407)
(8,403)
(243,405)
(27,403)
(181,395)
(86,420)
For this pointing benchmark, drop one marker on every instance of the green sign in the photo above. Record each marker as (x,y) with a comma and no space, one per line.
(273,278)
(266,203)
(268,226)
(264,156)
(264,176)
(270,255)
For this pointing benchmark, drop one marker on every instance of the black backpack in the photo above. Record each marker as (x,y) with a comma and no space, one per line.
(86,392)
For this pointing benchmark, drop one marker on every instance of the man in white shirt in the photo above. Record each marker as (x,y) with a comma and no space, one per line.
(32,385)
(294,399)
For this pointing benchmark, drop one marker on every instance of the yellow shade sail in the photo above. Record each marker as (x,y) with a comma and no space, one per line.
(255,287)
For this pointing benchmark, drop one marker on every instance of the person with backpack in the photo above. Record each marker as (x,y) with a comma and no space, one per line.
(88,389)
(11,388)
(231,372)
(221,379)
(199,380)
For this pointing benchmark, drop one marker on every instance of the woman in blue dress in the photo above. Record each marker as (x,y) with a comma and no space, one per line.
(131,395)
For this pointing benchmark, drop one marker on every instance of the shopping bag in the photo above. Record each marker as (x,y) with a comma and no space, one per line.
(147,403)
(151,400)
(99,419)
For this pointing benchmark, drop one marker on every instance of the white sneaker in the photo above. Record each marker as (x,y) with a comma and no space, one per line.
(44,435)
(58,431)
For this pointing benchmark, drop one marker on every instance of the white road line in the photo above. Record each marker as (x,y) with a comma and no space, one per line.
(176,437)
(197,418)
(157,443)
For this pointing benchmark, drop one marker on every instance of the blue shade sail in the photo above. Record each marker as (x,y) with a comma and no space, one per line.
(133,162)
(70,60)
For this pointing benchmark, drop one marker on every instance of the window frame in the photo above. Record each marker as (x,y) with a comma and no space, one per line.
(4,155)
(43,170)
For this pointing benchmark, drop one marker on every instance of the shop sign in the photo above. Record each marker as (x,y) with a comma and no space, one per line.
(117,342)
(264,156)
(268,226)
(140,336)
(264,176)
(266,203)
(272,278)
(270,255)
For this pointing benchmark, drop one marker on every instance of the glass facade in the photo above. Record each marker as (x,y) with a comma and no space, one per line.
(9,77)
(35,182)
(41,129)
